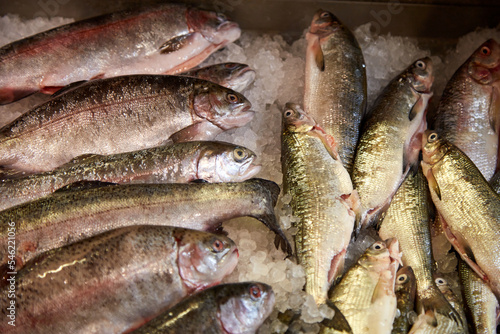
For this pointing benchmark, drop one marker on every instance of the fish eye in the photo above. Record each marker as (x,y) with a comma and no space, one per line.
(218,246)
(288,113)
(485,50)
(440,281)
(378,245)
(239,154)
(324,15)
(432,137)
(420,64)
(402,278)
(232,98)
(221,17)
(255,292)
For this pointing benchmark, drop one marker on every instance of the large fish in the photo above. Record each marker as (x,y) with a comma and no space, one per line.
(165,39)
(72,215)
(177,163)
(116,280)
(469,208)
(223,309)
(407,219)
(365,295)
(235,76)
(335,86)
(469,110)
(390,140)
(322,198)
(118,115)
(405,290)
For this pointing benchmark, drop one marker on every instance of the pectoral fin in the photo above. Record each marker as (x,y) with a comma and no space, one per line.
(175,43)
(433,185)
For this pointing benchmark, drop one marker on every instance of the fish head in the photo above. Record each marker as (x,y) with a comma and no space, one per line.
(405,280)
(237,76)
(484,64)
(421,75)
(215,27)
(221,106)
(204,259)
(324,23)
(245,306)
(382,255)
(434,147)
(295,119)
(229,164)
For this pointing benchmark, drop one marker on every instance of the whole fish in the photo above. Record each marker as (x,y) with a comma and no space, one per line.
(480,300)
(365,295)
(469,110)
(118,115)
(235,76)
(335,86)
(176,163)
(469,208)
(407,219)
(453,299)
(405,290)
(322,198)
(69,216)
(165,39)
(222,309)
(116,280)
(390,141)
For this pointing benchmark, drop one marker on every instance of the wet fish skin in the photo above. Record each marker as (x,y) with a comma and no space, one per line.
(175,163)
(405,290)
(116,280)
(495,182)
(165,39)
(118,115)
(335,86)
(337,325)
(235,76)
(469,208)
(227,308)
(322,198)
(390,140)
(469,110)
(445,288)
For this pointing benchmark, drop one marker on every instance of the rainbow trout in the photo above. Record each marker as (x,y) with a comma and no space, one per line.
(235,76)
(165,39)
(116,280)
(118,115)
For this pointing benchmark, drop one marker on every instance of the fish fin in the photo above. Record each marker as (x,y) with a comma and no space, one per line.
(84,158)
(338,323)
(175,43)
(319,58)
(271,186)
(336,266)
(328,141)
(434,301)
(51,90)
(414,112)
(69,87)
(82,185)
(203,130)
(433,183)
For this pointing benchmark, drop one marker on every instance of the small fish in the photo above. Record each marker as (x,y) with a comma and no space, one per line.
(176,163)
(116,280)
(405,290)
(164,39)
(234,76)
(390,141)
(222,309)
(452,298)
(117,115)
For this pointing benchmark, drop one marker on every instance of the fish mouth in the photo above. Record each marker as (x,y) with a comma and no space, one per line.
(241,118)
(249,170)
(394,252)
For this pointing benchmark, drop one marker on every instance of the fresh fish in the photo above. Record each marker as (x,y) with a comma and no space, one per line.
(165,39)
(116,280)
(469,110)
(469,208)
(365,295)
(480,300)
(390,140)
(235,76)
(322,198)
(176,163)
(337,325)
(453,299)
(335,86)
(495,182)
(407,219)
(227,308)
(405,290)
(69,216)
(118,115)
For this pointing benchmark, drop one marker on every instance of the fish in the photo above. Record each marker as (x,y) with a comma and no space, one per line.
(71,215)
(480,301)
(468,114)
(210,161)
(322,197)
(365,295)
(116,280)
(163,39)
(335,84)
(117,115)
(456,302)
(407,219)
(468,207)
(391,139)
(495,182)
(336,325)
(405,290)
(226,308)
(235,76)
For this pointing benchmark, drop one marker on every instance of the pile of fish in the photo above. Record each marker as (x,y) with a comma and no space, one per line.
(113,192)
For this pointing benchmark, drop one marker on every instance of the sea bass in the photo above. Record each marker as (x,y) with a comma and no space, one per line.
(322,198)
(72,215)
(469,208)
(165,39)
(469,110)
(116,280)
(405,290)
(390,140)
(177,163)
(335,85)
(118,115)
(235,76)
(223,309)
